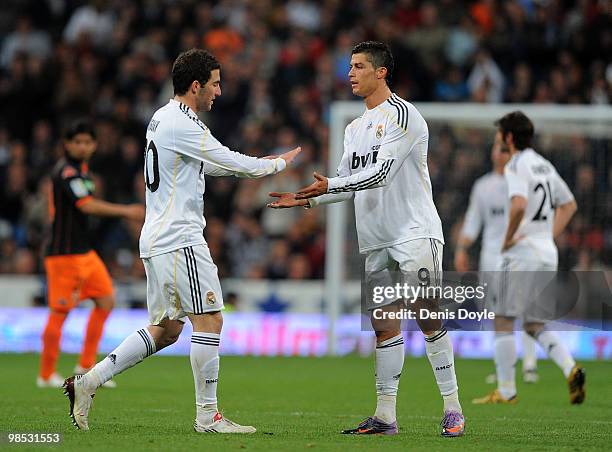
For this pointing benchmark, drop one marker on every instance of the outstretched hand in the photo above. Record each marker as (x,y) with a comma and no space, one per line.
(317,188)
(288,156)
(285,201)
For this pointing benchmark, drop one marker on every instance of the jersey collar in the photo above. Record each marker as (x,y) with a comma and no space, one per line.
(182,106)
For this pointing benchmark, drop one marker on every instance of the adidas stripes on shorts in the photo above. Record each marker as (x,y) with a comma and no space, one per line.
(181,282)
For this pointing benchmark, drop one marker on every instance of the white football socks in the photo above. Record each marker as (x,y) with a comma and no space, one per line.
(389,364)
(505,361)
(205,365)
(440,353)
(556,351)
(130,352)
(530,355)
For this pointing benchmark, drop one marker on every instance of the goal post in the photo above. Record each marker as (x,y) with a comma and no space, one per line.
(561,120)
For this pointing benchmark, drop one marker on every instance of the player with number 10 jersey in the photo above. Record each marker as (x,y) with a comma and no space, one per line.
(182,278)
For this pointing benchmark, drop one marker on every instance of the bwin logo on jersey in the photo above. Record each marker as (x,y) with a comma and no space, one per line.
(363,160)
(380,131)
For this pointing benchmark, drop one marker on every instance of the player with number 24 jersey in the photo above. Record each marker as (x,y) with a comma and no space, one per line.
(534,178)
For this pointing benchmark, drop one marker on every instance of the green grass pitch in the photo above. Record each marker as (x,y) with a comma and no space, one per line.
(302,404)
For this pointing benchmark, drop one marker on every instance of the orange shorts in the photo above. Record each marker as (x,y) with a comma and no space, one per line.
(72,278)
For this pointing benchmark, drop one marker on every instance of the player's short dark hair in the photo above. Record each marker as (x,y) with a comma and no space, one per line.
(80,126)
(191,65)
(519,125)
(379,54)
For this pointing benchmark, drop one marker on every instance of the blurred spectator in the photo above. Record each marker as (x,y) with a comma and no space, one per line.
(278,261)
(520,90)
(484,13)
(452,88)
(90,23)
(486,81)
(25,41)
(462,42)
(429,39)
(304,14)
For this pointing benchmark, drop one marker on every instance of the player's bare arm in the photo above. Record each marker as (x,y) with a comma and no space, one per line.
(563,215)
(462,261)
(317,188)
(285,200)
(288,157)
(518,205)
(108,209)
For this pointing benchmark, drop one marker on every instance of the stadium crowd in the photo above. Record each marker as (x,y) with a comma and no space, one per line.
(283,63)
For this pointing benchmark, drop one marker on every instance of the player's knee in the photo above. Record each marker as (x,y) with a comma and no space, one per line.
(169,339)
(211,322)
(504,324)
(382,336)
(216,319)
(52,332)
(107,303)
(533,329)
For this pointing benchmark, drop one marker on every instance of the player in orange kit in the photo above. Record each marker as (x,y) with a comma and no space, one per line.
(74,270)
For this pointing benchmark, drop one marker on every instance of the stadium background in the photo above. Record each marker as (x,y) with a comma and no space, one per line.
(283,64)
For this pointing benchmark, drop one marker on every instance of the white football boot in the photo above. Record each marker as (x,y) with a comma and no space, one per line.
(80,401)
(222,425)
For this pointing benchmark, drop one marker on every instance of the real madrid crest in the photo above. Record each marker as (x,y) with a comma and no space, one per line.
(380,131)
(210,298)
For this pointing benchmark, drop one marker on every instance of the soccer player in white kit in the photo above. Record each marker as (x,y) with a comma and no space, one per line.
(384,171)
(540,207)
(182,279)
(486,212)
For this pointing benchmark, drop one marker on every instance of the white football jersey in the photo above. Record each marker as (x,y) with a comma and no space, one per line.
(385,165)
(180,150)
(486,212)
(531,176)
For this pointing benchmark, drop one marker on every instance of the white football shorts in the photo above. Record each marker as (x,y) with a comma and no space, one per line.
(417,262)
(488,272)
(181,282)
(525,288)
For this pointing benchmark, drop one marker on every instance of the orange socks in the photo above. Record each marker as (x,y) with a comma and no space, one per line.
(95,326)
(53,333)
(51,342)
